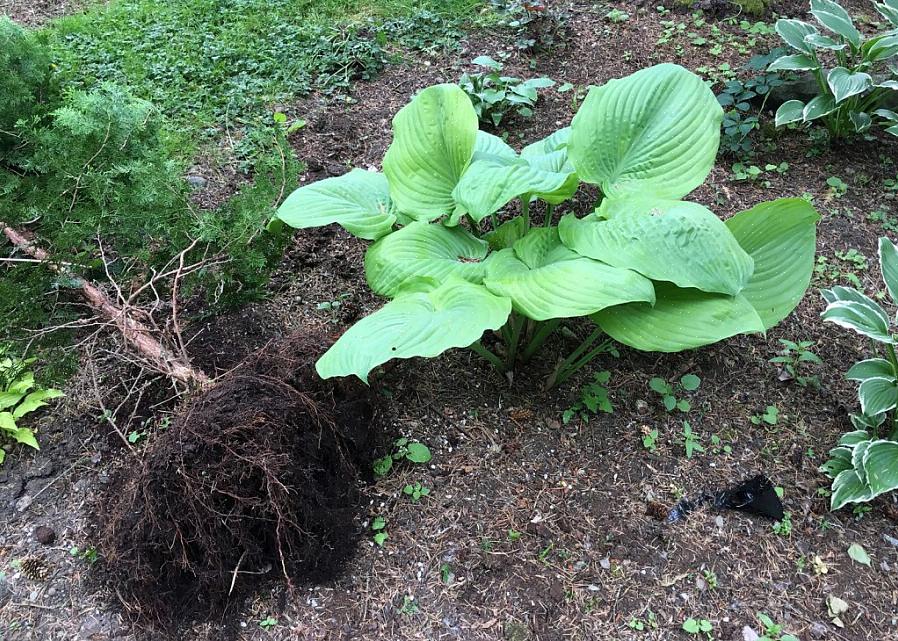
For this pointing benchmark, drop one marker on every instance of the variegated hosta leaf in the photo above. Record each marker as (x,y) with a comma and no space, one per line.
(676,241)
(888,262)
(421,323)
(857,460)
(881,48)
(358,201)
(860,120)
(424,250)
(795,34)
(870,368)
(789,111)
(839,462)
(845,84)
(877,395)
(889,10)
(680,319)
(433,141)
(832,16)
(867,423)
(850,439)
(781,238)
(881,466)
(654,132)
(818,107)
(849,308)
(794,62)
(544,279)
(819,41)
(848,488)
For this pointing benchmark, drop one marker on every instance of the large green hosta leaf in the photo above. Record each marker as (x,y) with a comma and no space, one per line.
(845,83)
(881,466)
(424,250)
(680,319)
(832,16)
(544,279)
(889,10)
(655,133)
(358,201)
(848,488)
(781,237)
(676,241)
(422,323)
(433,140)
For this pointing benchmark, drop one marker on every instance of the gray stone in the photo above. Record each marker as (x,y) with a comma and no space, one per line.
(819,630)
(195,181)
(748,634)
(891,540)
(24,503)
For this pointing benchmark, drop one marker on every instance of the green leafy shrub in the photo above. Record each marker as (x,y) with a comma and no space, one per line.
(19,396)
(649,270)
(864,465)
(495,97)
(855,91)
(25,82)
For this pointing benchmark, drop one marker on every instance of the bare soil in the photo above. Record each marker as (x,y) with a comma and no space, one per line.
(534,529)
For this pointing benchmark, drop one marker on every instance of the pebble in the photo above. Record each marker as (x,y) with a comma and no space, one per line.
(195,181)
(24,503)
(34,595)
(891,540)
(819,630)
(749,635)
(605,563)
(44,535)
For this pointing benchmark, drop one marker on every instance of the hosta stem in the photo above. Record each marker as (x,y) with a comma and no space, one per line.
(525,209)
(517,324)
(479,349)
(550,209)
(543,332)
(565,369)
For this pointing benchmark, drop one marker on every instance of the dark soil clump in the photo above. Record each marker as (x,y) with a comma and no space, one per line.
(257,479)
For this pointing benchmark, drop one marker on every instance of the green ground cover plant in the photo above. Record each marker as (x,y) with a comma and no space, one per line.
(857,76)
(865,462)
(497,97)
(453,272)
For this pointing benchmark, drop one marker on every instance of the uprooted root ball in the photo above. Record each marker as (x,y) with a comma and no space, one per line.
(257,479)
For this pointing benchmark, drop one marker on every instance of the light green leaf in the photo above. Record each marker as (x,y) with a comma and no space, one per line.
(433,141)
(794,62)
(544,279)
(7,422)
(795,33)
(2,455)
(781,238)
(881,465)
(819,41)
(870,368)
(789,111)
(35,400)
(888,262)
(832,16)
(878,395)
(424,250)
(507,234)
(358,201)
(889,10)
(554,142)
(845,84)
(24,436)
(680,319)
(675,241)
(8,399)
(424,323)
(418,453)
(859,554)
(818,107)
(851,309)
(490,145)
(848,488)
(881,48)
(654,132)
(690,382)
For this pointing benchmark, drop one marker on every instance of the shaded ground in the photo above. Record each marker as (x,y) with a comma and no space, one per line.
(534,529)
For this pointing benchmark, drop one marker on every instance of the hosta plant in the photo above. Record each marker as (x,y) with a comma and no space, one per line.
(865,462)
(496,97)
(19,396)
(648,269)
(857,75)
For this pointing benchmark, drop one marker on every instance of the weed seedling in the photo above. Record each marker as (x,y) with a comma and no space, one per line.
(617,16)
(409,605)
(404,449)
(784,527)
(710,578)
(769,416)
(773,631)
(837,187)
(691,441)
(416,491)
(514,535)
(669,391)
(593,399)
(379,527)
(698,627)
(649,441)
(267,623)
(718,446)
(796,357)
(650,622)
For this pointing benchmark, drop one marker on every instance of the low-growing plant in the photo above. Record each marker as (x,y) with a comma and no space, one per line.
(19,396)
(865,464)
(416,491)
(697,627)
(770,416)
(691,441)
(593,399)
(496,97)
(670,391)
(649,270)
(379,527)
(538,25)
(795,358)
(773,631)
(856,75)
(403,450)
(783,527)
(650,440)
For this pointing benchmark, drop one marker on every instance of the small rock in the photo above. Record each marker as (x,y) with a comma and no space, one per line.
(749,635)
(44,535)
(605,563)
(891,540)
(195,181)
(51,592)
(718,521)
(819,630)
(24,503)
(5,591)
(34,595)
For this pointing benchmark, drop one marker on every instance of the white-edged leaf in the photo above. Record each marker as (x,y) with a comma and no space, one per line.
(870,368)
(888,262)
(790,111)
(781,238)
(850,439)
(888,10)
(795,33)
(424,250)
(845,84)
(666,240)
(793,62)
(853,310)
(433,141)
(881,465)
(680,319)
(860,120)
(881,47)
(544,279)
(654,132)
(820,41)
(832,16)
(848,488)
(818,107)
(423,323)
(878,395)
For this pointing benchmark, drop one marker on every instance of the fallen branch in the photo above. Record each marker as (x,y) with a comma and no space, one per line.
(133,330)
